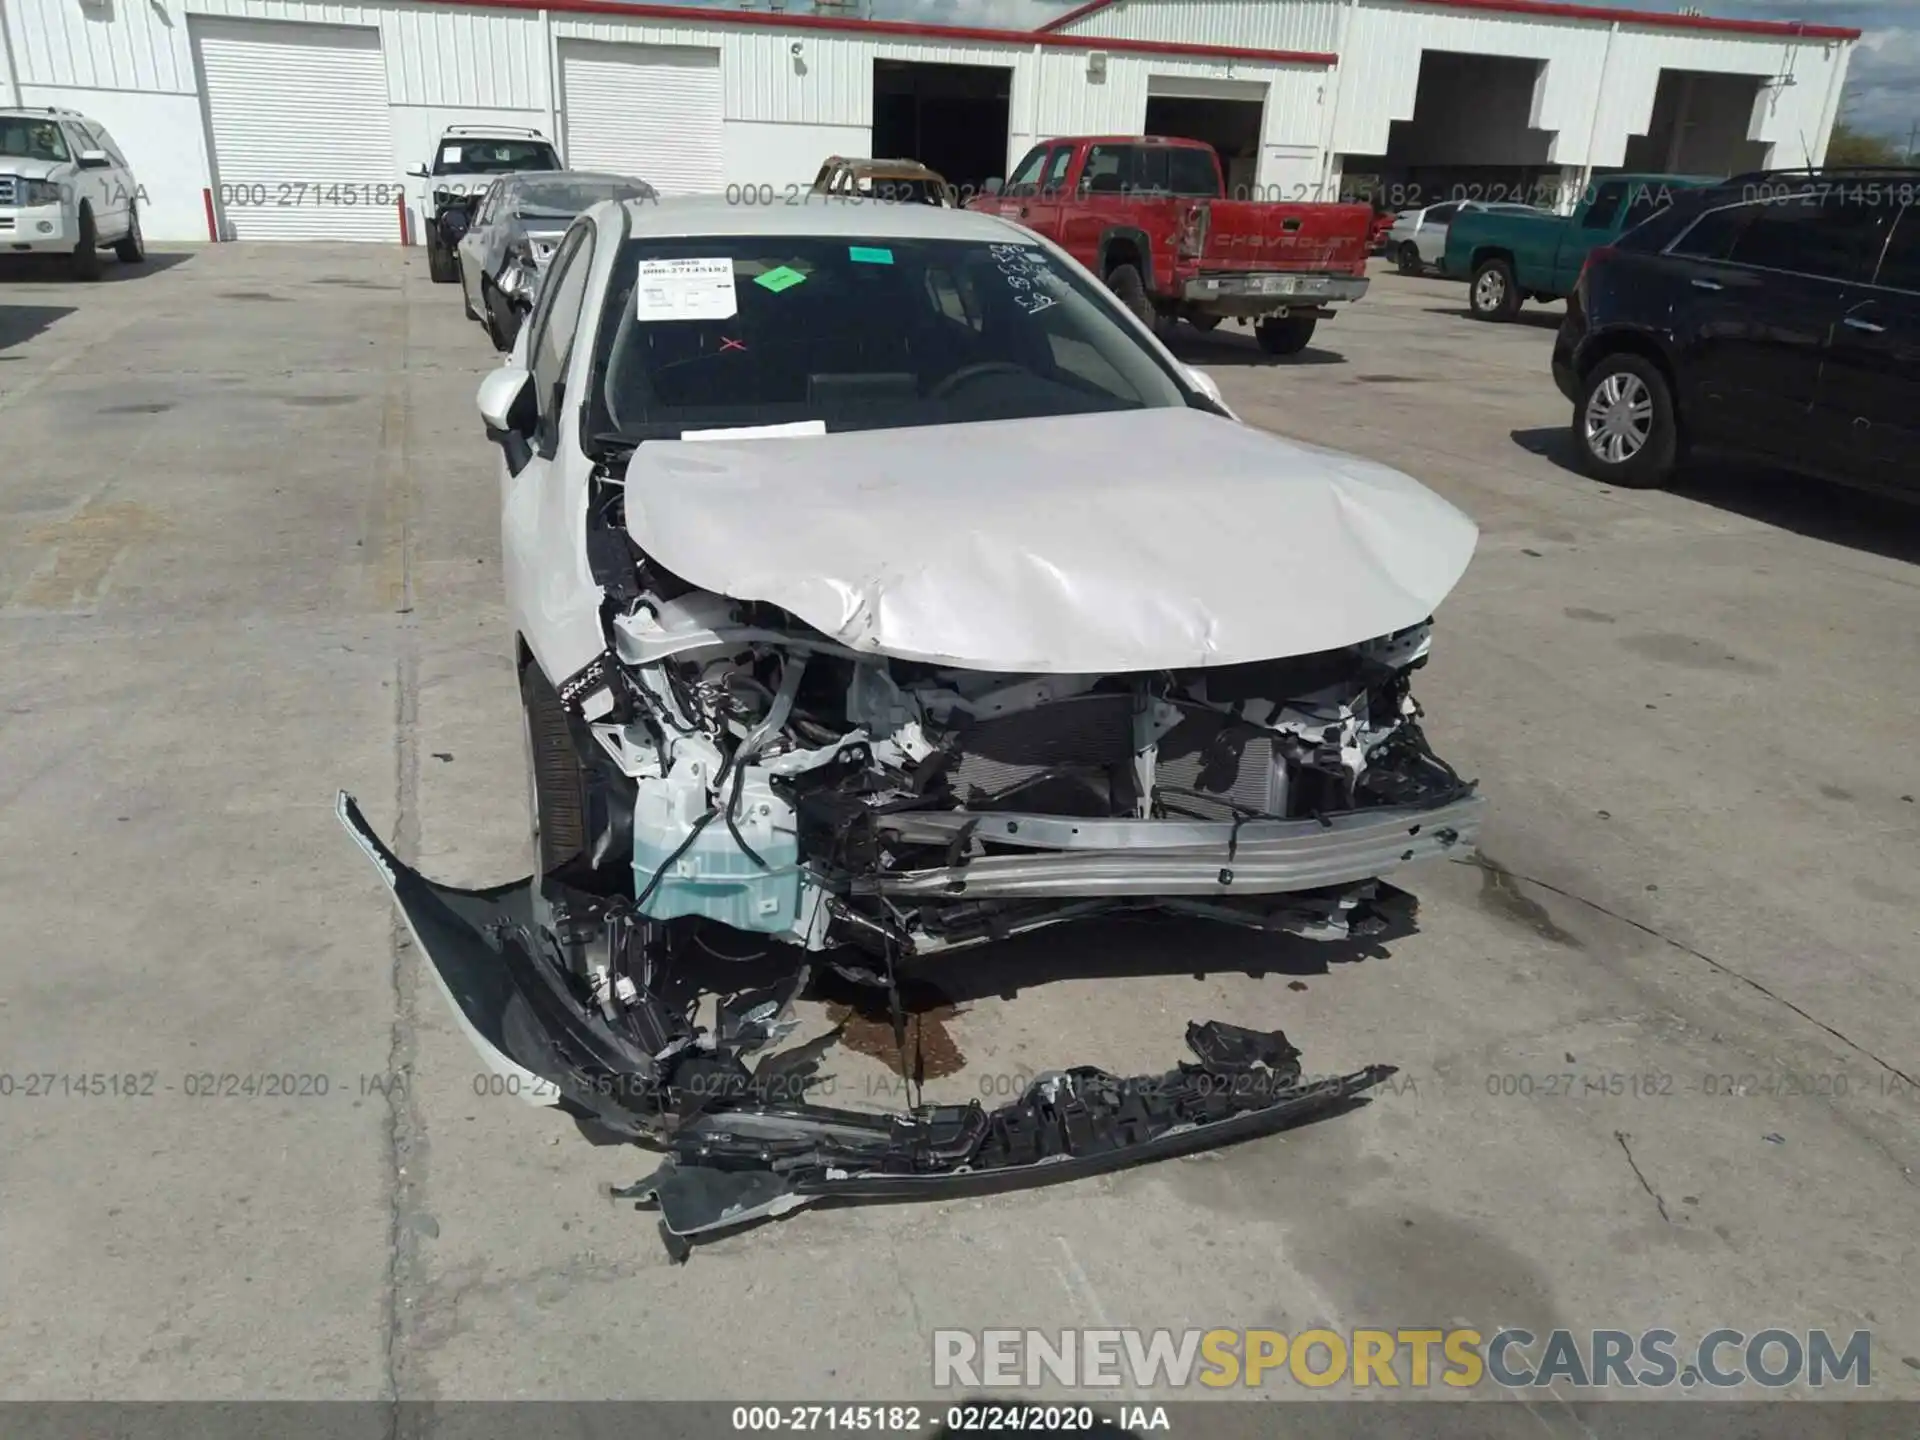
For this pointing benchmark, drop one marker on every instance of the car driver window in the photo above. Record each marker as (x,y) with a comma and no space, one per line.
(1026,175)
(1606,204)
(1057,165)
(554,321)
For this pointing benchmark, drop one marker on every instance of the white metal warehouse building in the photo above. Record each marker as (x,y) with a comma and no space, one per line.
(290,97)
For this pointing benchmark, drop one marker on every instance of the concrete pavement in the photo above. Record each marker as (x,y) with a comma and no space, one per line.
(1658,1044)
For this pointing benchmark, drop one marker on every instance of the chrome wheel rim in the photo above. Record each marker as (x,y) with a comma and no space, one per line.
(1490,289)
(1619,418)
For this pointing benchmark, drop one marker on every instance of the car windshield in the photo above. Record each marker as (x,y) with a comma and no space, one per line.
(857,335)
(31,138)
(570,194)
(905,190)
(468,156)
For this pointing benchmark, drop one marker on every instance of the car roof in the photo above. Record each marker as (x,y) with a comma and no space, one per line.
(688,216)
(872,168)
(529,177)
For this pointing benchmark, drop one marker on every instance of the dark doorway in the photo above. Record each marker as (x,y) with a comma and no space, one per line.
(952,117)
(1699,127)
(1231,127)
(1470,137)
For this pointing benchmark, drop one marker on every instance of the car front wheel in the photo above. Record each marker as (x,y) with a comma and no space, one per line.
(1408,258)
(1624,423)
(132,247)
(1125,282)
(440,264)
(86,254)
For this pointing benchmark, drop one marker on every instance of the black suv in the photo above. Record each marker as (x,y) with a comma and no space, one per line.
(1776,316)
(465,163)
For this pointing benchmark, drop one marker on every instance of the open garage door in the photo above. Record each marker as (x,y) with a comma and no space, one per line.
(651,111)
(1469,138)
(951,117)
(1699,126)
(1226,114)
(300,130)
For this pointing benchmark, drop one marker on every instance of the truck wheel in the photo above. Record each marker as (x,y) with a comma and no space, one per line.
(1285,337)
(556,784)
(1125,282)
(1202,322)
(1407,257)
(131,248)
(440,263)
(1492,295)
(1624,423)
(86,254)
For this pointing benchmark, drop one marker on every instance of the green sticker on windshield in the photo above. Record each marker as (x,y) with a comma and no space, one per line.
(869,255)
(785,277)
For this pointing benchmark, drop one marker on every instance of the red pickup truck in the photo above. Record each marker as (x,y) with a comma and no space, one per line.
(1149,215)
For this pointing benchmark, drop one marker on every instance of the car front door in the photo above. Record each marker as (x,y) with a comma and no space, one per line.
(1103,193)
(472,249)
(119,179)
(1430,233)
(1041,210)
(93,184)
(540,536)
(1759,337)
(1871,380)
(1591,226)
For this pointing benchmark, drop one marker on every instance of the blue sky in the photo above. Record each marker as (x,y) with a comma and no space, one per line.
(1883,83)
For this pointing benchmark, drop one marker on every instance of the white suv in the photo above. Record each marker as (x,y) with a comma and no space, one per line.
(65,188)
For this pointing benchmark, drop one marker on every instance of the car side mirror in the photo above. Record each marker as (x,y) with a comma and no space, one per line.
(95,160)
(994,186)
(507,408)
(1207,386)
(417,172)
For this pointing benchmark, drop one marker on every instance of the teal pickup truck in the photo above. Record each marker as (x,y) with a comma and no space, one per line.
(1507,256)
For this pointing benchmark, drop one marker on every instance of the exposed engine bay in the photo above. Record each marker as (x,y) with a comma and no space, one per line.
(754,772)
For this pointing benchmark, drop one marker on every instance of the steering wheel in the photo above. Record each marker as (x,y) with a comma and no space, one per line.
(967,374)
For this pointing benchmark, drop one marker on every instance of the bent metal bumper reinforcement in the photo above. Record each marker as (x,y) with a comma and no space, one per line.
(743,1145)
(1171,857)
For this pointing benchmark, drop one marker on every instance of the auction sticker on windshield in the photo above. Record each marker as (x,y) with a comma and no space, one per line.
(685,290)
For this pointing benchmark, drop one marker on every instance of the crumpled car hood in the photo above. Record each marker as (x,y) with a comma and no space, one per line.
(1137,540)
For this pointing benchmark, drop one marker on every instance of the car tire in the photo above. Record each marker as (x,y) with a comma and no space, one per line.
(1407,257)
(1625,427)
(1491,293)
(132,247)
(441,268)
(1125,282)
(1288,336)
(86,254)
(1204,323)
(556,782)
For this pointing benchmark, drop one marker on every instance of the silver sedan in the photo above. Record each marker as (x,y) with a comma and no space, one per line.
(1419,237)
(516,228)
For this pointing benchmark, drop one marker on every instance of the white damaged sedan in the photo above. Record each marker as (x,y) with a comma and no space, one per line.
(881,588)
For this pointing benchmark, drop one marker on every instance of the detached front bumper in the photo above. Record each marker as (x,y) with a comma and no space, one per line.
(746,1145)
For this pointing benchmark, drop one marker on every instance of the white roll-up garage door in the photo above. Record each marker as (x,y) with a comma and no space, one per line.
(651,111)
(302,139)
